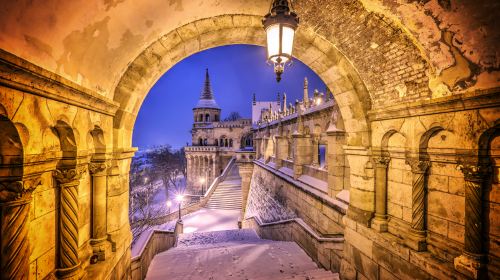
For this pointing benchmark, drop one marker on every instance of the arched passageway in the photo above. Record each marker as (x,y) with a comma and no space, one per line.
(406,67)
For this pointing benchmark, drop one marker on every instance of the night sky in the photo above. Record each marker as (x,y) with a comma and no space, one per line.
(236,72)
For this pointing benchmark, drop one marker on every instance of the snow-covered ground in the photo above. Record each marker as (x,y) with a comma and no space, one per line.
(200,221)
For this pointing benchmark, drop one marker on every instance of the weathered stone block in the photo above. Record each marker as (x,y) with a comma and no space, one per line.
(359,241)
(448,206)
(399,267)
(43,202)
(361,262)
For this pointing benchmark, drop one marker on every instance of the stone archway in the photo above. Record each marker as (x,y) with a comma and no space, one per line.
(316,52)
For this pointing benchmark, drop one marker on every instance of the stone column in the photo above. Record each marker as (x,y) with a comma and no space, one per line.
(379,223)
(302,153)
(98,170)
(314,151)
(336,162)
(15,201)
(188,170)
(281,150)
(245,168)
(258,144)
(418,233)
(68,179)
(473,260)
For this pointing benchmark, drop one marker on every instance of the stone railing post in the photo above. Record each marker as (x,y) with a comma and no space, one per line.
(281,150)
(15,198)
(98,170)
(379,223)
(68,265)
(418,232)
(335,161)
(314,150)
(473,259)
(244,160)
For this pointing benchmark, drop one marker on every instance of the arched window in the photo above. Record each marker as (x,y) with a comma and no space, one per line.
(216,118)
(200,117)
(216,142)
(226,143)
(205,142)
(200,141)
(207,117)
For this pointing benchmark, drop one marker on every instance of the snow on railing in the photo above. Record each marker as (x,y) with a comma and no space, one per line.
(157,241)
(303,225)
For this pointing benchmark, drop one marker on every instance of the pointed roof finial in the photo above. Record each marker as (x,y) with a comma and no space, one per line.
(254,99)
(207,88)
(207,99)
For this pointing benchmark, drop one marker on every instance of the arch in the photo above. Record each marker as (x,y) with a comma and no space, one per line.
(11,150)
(489,159)
(200,141)
(207,117)
(327,61)
(97,136)
(67,143)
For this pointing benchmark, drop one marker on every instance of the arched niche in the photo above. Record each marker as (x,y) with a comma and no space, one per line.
(11,150)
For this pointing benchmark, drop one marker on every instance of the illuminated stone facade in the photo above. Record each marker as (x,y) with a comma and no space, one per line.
(415,84)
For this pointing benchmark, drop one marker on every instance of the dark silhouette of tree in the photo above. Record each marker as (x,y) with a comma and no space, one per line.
(233,116)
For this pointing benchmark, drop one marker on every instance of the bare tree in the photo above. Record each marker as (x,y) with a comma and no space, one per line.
(233,116)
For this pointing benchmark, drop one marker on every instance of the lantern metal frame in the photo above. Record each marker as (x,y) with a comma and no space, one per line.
(281,14)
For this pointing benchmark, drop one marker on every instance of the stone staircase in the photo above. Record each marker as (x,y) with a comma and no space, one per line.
(227,195)
(234,254)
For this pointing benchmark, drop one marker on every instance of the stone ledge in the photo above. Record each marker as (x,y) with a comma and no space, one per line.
(461,101)
(19,74)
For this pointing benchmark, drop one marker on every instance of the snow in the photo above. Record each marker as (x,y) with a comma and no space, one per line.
(200,221)
(234,254)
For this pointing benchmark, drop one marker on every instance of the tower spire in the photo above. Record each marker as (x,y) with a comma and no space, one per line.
(207,88)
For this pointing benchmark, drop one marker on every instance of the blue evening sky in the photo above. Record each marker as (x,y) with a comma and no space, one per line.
(236,72)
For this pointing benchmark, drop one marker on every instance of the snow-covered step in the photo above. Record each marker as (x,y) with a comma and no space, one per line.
(227,195)
(234,254)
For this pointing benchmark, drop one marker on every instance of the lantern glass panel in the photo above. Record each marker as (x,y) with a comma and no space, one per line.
(287,41)
(273,41)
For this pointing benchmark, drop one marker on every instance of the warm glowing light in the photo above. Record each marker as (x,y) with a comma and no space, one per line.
(202,180)
(318,101)
(169,203)
(179,197)
(280,25)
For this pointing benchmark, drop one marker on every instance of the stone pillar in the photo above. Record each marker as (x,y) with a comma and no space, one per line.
(258,144)
(473,260)
(335,162)
(15,201)
(281,150)
(314,150)
(188,170)
(362,193)
(68,265)
(418,233)
(214,172)
(98,170)
(302,153)
(379,223)
(245,168)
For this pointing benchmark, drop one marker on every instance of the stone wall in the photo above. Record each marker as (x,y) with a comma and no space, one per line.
(70,172)
(275,198)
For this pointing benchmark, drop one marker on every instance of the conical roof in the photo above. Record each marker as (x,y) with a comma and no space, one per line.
(207,99)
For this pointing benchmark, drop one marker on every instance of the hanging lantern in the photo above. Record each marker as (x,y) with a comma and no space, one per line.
(280,25)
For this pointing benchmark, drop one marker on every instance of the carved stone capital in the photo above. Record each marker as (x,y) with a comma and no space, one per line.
(417,165)
(14,190)
(473,172)
(99,168)
(68,175)
(381,161)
